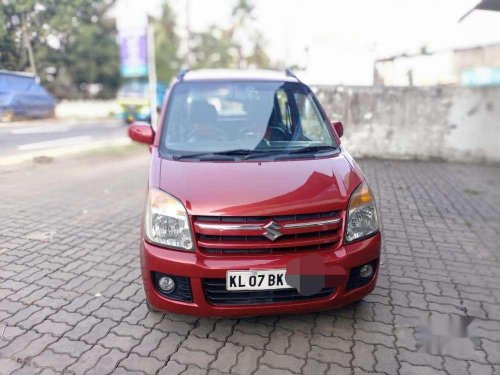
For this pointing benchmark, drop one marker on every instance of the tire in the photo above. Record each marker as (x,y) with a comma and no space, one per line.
(151,308)
(7,116)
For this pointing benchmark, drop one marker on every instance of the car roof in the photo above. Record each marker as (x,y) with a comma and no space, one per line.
(238,74)
(16,74)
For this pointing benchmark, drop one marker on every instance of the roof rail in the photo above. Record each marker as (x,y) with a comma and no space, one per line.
(181,74)
(289,73)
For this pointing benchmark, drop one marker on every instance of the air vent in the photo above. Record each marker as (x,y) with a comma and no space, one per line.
(217,160)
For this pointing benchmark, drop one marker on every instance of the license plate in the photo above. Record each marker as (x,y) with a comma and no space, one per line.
(256,280)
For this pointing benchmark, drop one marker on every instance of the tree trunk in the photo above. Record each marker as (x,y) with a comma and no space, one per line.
(27,44)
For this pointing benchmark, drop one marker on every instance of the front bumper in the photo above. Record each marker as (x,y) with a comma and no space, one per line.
(197,266)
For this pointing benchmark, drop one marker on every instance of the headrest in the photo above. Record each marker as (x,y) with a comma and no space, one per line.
(203,112)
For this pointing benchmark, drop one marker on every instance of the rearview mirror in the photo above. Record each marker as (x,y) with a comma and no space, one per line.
(141,132)
(339,128)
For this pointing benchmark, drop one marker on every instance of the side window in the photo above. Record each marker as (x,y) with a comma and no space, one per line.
(310,118)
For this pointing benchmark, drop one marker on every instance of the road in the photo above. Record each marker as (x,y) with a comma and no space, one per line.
(71,298)
(35,137)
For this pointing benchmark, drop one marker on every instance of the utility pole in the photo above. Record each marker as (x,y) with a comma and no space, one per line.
(188,34)
(153,100)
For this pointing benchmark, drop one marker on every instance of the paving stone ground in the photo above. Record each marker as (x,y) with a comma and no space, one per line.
(71,299)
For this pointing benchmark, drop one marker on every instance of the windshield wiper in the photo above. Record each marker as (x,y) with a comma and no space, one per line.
(246,154)
(236,152)
(189,156)
(312,149)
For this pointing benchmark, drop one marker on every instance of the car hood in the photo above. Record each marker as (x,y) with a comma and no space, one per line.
(260,188)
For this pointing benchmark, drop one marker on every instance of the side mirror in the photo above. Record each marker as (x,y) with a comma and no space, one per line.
(141,132)
(339,128)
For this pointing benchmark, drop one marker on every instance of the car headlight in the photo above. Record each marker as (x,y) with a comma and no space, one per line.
(166,221)
(362,218)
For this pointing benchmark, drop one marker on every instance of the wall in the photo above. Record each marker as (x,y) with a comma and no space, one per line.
(483,56)
(425,123)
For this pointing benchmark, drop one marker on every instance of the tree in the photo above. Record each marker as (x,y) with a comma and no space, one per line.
(69,43)
(243,30)
(212,49)
(166,45)
(239,46)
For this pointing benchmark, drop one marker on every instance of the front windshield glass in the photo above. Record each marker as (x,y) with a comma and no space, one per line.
(218,117)
(136,89)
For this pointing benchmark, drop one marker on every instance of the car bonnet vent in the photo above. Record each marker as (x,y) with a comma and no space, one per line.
(217,160)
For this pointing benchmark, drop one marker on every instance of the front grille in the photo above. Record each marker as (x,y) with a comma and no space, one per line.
(237,235)
(216,294)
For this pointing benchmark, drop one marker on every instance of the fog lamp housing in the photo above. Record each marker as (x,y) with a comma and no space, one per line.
(172,286)
(166,284)
(362,275)
(366,271)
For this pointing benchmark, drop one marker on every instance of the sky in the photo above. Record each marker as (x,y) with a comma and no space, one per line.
(337,41)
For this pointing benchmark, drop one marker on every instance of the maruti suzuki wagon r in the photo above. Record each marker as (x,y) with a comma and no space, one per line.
(254,206)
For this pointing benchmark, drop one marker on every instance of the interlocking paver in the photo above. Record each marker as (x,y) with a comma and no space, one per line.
(148,365)
(82,328)
(247,361)
(55,361)
(149,342)
(168,346)
(72,348)
(124,343)
(314,367)
(88,359)
(192,357)
(76,302)
(226,357)
(172,368)
(99,331)
(282,361)
(107,363)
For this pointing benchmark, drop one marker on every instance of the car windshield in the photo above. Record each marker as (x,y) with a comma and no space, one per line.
(245,117)
(137,89)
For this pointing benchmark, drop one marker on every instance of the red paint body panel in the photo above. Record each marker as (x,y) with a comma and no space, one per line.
(198,266)
(260,188)
(255,189)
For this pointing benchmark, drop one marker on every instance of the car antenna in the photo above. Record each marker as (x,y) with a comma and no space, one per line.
(181,74)
(289,73)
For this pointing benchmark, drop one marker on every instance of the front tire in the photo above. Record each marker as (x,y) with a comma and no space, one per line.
(151,308)
(7,116)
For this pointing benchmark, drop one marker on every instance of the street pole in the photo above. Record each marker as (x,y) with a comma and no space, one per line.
(188,34)
(152,75)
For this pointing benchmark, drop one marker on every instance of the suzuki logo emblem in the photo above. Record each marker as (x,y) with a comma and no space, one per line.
(271,230)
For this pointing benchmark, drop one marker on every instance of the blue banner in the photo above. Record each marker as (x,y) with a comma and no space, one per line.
(133,54)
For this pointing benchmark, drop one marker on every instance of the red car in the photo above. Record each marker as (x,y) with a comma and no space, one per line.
(254,206)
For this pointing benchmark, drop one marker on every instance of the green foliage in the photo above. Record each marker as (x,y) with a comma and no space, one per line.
(166,45)
(73,44)
(239,46)
(212,49)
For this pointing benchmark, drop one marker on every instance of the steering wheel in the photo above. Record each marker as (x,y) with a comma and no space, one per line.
(250,133)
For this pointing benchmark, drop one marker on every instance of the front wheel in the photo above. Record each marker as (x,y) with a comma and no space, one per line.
(151,308)
(7,116)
